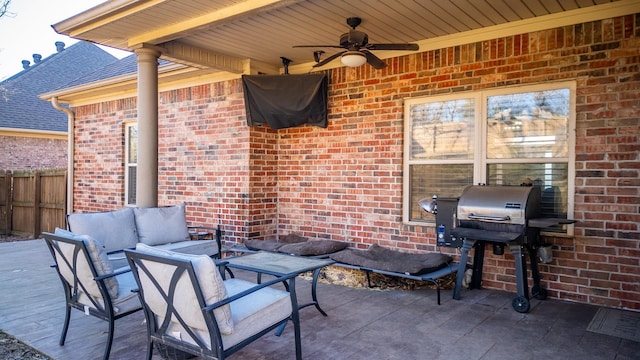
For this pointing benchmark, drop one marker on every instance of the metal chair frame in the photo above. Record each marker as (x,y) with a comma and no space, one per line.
(73,291)
(156,331)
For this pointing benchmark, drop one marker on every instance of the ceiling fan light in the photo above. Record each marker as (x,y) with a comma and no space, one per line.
(353,58)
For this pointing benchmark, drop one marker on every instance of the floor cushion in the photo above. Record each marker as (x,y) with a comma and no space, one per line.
(379,258)
(313,247)
(266,245)
(273,245)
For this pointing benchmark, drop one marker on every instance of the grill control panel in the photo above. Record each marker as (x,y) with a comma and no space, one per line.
(446,221)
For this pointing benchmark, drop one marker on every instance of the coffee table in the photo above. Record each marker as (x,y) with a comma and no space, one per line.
(276,264)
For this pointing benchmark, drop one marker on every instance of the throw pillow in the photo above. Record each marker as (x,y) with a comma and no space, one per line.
(161,225)
(115,229)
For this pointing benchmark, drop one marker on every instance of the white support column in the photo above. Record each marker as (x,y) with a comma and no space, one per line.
(147,168)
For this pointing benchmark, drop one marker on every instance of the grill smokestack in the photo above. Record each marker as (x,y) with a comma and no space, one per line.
(59,46)
(25,64)
(37,58)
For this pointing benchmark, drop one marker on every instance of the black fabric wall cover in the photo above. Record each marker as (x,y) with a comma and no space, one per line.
(284,101)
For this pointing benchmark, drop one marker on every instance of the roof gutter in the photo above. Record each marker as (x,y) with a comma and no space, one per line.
(32,133)
(70,145)
(95,14)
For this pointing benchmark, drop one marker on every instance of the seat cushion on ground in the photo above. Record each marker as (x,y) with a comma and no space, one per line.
(185,302)
(115,229)
(313,247)
(266,245)
(100,262)
(273,245)
(161,225)
(380,258)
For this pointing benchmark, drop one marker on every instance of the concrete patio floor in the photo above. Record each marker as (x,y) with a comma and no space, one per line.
(362,323)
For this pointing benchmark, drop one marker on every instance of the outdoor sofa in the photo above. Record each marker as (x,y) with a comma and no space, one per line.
(91,263)
(162,227)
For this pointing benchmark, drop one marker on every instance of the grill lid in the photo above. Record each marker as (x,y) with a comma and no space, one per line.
(502,204)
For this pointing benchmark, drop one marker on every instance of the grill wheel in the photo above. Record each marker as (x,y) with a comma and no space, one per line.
(521,304)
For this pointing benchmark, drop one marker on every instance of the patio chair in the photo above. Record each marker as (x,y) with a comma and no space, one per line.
(90,284)
(189,307)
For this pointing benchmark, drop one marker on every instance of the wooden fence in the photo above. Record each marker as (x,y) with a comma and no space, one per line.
(32,201)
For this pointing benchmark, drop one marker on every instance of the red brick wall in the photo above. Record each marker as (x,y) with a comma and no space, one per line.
(26,153)
(203,156)
(345,182)
(204,146)
(99,155)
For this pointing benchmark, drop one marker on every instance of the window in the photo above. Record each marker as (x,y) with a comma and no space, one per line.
(131,163)
(496,137)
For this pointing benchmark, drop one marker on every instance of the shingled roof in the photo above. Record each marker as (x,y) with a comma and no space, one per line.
(124,66)
(20,107)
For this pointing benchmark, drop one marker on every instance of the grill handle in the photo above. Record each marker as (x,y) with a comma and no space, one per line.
(489,218)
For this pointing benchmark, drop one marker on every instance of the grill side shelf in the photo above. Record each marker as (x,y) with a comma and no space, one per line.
(547,222)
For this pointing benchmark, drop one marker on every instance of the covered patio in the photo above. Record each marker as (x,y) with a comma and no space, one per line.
(179,103)
(362,323)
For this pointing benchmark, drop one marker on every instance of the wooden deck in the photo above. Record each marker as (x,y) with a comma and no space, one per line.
(362,323)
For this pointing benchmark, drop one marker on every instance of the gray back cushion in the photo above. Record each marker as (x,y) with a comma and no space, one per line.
(100,261)
(115,229)
(161,225)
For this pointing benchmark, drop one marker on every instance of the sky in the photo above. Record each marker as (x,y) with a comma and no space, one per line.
(27,30)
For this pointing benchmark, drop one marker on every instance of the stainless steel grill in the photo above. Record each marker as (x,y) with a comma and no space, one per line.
(498,215)
(499,204)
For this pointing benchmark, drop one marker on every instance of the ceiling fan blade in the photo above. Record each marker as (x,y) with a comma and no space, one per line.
(329,59)
(374,60)
(408,47)
(316,46)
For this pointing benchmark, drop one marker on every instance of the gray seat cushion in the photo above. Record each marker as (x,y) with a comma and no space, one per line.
(193,247)
(256,311)
(209,279)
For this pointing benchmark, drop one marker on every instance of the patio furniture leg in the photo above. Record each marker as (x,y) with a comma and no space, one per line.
(107,350)
(295,319)
(314,295)
(280,329)
(65,327)
(149,349)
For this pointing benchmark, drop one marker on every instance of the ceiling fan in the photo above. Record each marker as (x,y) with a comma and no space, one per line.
(357,48)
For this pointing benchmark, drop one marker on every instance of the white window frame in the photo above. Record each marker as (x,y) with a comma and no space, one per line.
(127,164)
(480,160)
